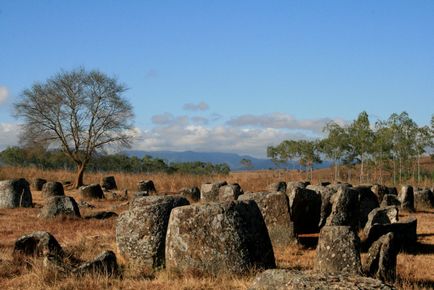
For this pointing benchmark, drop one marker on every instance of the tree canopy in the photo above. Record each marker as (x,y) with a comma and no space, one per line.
(79,111)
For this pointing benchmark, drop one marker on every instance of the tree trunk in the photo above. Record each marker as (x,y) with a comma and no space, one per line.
(79,177)
(361,168)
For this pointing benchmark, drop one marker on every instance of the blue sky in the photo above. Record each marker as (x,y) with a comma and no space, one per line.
(231,76)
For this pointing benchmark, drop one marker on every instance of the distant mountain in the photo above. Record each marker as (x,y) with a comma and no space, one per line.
(231,159)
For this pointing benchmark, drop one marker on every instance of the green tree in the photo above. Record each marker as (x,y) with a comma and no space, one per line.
(404,131)
(246,163)
(423,141)
(80,112)
(309,155)
(361,138)
(335,145)
(382,147)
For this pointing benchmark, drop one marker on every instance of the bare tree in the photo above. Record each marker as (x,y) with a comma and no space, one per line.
(79,111)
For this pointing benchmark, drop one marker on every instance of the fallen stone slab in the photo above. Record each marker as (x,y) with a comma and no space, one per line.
(101,215)
(279,279)
(104,264)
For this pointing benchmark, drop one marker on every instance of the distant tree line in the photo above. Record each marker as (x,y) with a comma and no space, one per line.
(56,159)
(391,147)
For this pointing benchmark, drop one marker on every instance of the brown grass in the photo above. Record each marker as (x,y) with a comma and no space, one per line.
(87,238)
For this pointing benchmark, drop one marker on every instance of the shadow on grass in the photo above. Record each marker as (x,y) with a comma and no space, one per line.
(425,235)
(421,248)
(416,284)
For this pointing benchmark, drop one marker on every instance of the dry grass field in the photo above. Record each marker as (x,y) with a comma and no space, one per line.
(87,238)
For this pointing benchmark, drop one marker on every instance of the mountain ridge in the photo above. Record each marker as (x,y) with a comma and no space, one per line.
(233,160)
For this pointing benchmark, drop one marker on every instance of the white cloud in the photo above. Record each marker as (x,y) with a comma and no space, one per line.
(8,135)
(202,106)
(4,94)
(280,121)
(178,137)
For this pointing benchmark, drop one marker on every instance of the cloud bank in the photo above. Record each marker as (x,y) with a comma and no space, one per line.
(245,134)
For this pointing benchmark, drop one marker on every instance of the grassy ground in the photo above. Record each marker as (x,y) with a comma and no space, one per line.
(87,238)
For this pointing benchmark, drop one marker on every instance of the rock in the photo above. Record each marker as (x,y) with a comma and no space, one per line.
(390,199)
(210,191)
(393,190)
(384,216)
(275,211)
(367,202)
(155,199)
(338,251)
(38,183)
(381,259)
(345,209)
(190,193)
(104,264)
(280,279)
(339,185)
(108,183)
(93,191)
(279,186)
(146,186)
(291,186)
(60,206)
(111,195)
(101,215)
(404,232)
(380,191)
(326,194)
(52,189)
(407,198)
(141,231)
(214,238)
(141,194)
(15,193)
(37,244)
(424,199)
(229,192)
(305,209)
